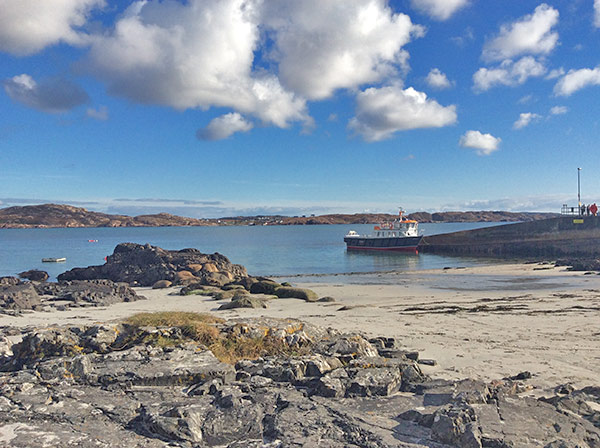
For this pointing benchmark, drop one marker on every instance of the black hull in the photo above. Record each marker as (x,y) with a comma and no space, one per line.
(404,244)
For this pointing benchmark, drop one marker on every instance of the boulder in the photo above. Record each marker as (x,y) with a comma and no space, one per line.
(144,265)
(244,301)
(287,292)
(161,284)
(22,296)
(264,287)
(184,277)
(34,275)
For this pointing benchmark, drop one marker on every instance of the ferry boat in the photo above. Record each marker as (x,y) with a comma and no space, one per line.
(399,235)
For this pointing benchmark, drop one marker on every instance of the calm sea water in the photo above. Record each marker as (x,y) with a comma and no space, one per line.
(264,250)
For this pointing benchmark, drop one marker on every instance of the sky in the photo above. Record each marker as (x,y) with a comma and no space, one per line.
(212,108)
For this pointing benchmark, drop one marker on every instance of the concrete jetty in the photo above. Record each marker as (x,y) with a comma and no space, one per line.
(554,237)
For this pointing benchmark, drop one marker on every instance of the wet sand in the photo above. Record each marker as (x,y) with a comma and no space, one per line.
(482,322)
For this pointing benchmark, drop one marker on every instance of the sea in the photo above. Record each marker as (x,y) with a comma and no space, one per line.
(281,251)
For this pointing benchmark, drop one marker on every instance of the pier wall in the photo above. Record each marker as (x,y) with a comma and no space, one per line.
(554,237)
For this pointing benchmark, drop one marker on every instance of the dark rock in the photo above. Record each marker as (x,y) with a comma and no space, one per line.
(21,296)
(34,275)
(326,299)
(145,265)
(89,292)
(427,362)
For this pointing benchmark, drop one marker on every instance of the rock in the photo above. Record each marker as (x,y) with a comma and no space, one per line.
(34,275)
(9,281)
(427,362)
(210,267)
(244,301)
(22,296)
(161,284)
(183,277)
(194,267)
(285,292)
(114,385)
(264,287)
(88,292)
(326,299)
(144,265)
(456,426)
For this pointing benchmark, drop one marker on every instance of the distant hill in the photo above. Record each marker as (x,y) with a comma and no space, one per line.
(54,215)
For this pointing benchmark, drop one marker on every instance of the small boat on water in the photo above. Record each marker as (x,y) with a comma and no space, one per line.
(399,235)
(54,260)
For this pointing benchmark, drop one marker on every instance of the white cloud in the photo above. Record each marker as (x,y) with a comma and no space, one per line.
(597,13)
(437,79)
(526,99)
(508,73)
(324,46)
(382,111)
(54,95)
(576,80)
(530,35)
(439,9)
(555,73)
(194,55)
(484,144)
(559,110)
(223,127)
(525,120)
(28,26)
(100,114)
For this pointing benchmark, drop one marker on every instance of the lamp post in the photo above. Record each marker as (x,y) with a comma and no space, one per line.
(579,189)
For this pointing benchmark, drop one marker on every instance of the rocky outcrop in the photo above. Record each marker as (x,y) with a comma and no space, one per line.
(144,265)
(17,296)
(116,385)
(34,275)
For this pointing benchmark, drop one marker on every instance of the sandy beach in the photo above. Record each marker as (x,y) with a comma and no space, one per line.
(484,322)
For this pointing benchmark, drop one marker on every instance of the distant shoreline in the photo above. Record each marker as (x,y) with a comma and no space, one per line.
(65,216)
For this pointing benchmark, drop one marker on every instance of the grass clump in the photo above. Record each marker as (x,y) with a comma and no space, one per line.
(197,326)
(227,346)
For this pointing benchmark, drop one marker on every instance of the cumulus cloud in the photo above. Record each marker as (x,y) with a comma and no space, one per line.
(100,114)
(531,34)
(597,13)
(196,54)
(263,59)
(437,79)
(508,73)
(484,144)
(559,110)
(439,9)
(324,46)
(224,126)
(576,80)
(28,26)
(54,95)
(382,111)
(525,120)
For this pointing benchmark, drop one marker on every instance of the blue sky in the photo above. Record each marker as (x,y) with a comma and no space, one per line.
(211,108)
